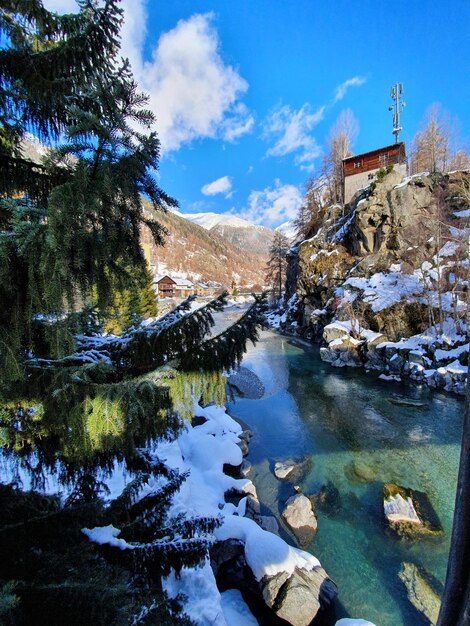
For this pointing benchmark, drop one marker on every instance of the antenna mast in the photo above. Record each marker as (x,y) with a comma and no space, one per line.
(396,93)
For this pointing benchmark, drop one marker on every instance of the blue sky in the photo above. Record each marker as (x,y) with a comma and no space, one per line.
(246,91)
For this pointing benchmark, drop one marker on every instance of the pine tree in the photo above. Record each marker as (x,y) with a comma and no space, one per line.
(74,400)
(277,265)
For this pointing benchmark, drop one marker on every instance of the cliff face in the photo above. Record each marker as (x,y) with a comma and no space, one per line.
(394,258)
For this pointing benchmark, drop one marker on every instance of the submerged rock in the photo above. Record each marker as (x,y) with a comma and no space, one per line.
(300,518)
(402,401)
(420,591)
(410,512)
(328,499)
(358,471)
(282,469)
(292,468)
(246,384)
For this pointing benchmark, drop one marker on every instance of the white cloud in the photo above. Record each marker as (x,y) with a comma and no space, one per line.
(193,93)
(342,89)
(273,205)
(293,131)
(221,185)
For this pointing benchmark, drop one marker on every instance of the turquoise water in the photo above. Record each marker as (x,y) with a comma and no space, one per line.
(336,417)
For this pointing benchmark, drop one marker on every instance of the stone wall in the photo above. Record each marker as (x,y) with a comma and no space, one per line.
(353,183)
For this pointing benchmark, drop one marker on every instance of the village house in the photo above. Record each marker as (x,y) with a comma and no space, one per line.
(360,170)
(167,287)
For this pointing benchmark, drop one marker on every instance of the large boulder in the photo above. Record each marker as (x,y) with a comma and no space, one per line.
(293,595)
(297,598)
(410,512)
(421,592)
(299,516)
(334,331)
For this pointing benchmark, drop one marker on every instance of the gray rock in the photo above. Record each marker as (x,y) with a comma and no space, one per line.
(282,469)
(420,592)
(299,516)
(253,509)
(223,551)
(396,364)
(327,355)
(334,331)
(298,598)
(250,489)
(246,383)
(270,587)
(292,469)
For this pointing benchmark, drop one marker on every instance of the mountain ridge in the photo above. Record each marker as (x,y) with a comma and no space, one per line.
(194,252)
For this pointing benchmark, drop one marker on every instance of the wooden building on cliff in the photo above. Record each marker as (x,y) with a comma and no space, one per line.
(360,170)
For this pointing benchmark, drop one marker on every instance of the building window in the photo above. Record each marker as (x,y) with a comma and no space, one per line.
(383,158)
(357,164)
(370,176)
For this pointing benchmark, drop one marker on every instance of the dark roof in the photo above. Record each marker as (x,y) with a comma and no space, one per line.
(393,146)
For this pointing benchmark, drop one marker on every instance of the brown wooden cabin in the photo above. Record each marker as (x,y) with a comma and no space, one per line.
(166,287)
(374,160)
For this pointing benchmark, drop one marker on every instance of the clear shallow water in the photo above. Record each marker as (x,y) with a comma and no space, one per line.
(336,417)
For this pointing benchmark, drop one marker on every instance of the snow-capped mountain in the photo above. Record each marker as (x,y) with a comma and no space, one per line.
(235,230)
(287,229)
(203,254)
(210,220)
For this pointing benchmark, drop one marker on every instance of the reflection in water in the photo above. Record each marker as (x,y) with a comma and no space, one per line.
(358,441)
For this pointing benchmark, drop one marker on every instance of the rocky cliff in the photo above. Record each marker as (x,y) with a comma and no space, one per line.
(392,263)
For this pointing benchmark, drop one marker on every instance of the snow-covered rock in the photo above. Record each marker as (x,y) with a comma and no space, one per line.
(410,512)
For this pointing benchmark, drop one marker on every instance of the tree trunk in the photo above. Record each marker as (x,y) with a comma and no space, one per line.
(455,607)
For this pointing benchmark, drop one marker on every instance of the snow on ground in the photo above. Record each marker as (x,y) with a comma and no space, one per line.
(463,213)
(203,450)
(383,290)
(235,610)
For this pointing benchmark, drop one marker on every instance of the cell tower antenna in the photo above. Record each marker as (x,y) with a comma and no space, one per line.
(396,93)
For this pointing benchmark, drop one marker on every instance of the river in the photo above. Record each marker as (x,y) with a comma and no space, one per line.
(342,416)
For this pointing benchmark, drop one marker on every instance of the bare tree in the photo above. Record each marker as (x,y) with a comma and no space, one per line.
(340,140)
(326,186)
(436,146)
